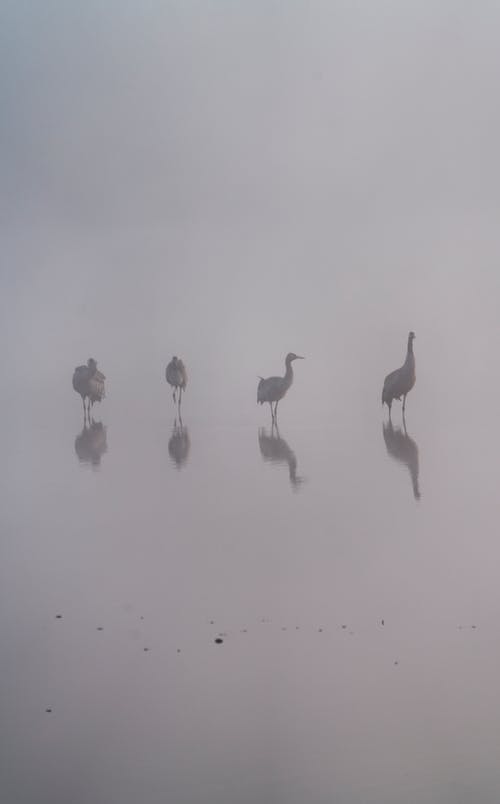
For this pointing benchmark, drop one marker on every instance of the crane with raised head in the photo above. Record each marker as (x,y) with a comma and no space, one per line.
(398,383)
(273,389)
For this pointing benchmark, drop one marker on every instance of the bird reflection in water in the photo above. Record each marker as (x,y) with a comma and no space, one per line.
(275,449)
(179,444)
(91,444)
(404,449)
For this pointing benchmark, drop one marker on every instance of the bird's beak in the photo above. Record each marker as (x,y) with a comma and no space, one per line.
(298,357)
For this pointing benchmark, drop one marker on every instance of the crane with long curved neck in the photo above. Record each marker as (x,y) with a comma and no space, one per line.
(398,383)
(272,389)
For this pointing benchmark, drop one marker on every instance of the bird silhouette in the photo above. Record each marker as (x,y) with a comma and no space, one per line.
(176,376)
(88,381)
(398,383)
(403,449)
(273,389)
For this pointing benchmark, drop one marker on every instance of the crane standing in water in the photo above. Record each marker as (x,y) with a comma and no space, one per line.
(273,389)
(398,383)
(88,381)
(176,376)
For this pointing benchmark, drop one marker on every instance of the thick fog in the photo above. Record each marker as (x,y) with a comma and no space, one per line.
(229,182)
(232,181)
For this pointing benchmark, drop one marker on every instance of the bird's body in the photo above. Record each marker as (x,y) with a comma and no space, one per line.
(176,376)
(272,389)
(398,383)
(88,381)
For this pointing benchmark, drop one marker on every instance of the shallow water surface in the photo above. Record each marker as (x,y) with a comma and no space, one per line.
(342,568)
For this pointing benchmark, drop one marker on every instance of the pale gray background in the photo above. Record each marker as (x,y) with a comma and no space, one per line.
(229,181)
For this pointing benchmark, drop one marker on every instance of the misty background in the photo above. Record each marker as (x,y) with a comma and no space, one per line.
(232,181)
(228,182)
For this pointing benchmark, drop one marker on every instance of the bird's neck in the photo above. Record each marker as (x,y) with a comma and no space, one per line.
(409,352)
(288,372)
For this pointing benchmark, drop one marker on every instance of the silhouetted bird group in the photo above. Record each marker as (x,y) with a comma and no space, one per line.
(88,381)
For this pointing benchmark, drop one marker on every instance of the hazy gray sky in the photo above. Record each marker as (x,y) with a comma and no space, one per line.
(230,181)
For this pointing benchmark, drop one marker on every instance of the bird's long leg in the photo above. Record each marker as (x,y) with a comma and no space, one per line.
(404,424)
(272,412)
(276,412)
(404,403)
(173,394)
(84,409)
(180,397)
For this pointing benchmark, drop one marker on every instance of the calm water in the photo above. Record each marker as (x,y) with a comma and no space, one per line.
(350,570)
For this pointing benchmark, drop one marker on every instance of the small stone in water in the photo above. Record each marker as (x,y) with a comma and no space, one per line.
(219,641)
(58,616)
(100,628)
(48,709)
